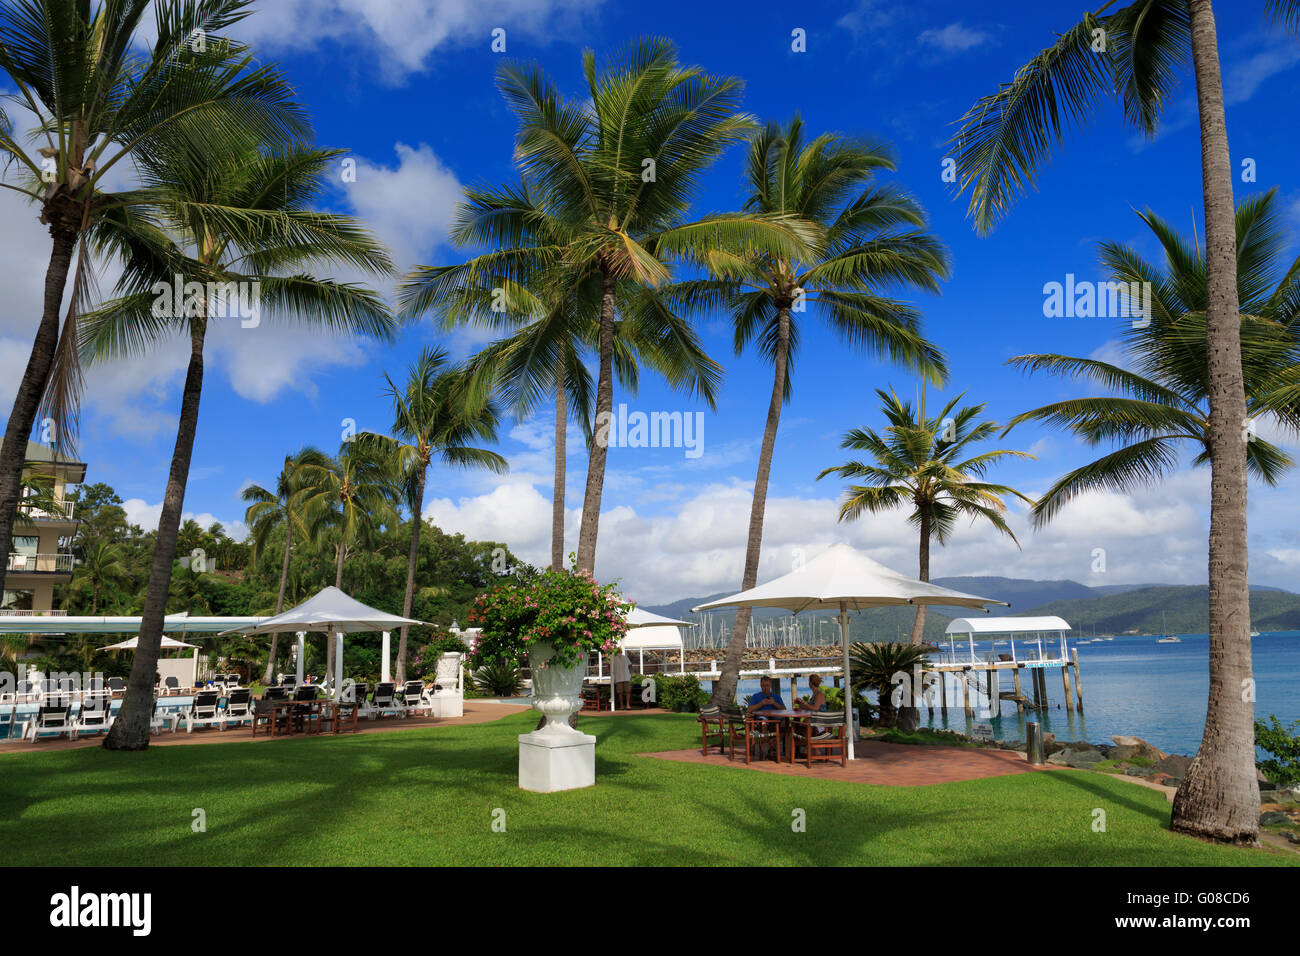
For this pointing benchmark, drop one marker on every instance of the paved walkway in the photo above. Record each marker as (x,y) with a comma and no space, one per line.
(476,712)
(890,765)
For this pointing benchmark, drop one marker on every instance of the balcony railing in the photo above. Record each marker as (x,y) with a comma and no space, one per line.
(61,512)
(40,563)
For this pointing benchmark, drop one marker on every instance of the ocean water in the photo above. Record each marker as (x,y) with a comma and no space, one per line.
(1132,685)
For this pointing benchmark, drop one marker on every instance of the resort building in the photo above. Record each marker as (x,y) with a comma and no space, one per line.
(42,540)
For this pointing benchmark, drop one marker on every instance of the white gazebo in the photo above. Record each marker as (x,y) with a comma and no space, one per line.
(336,613)
(1011,626)
(846,579)
(647,631)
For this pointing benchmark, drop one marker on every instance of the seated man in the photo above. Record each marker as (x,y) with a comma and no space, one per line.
(764,700)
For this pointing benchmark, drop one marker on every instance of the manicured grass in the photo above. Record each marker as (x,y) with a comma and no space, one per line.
(429,796)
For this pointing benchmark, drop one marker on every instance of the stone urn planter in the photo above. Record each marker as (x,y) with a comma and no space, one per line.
(447,675)
(556,756)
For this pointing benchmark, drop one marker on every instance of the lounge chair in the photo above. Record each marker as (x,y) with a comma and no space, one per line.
(413,701)
(95,715)
(54,716)
(117,687)
(203,711)
(171,686)
(822,733)
(289,680)
(238,707)
(276,693)
(25,692)
(158,720)
(384,701)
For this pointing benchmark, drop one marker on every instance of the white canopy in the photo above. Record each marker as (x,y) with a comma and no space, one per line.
(168,643)
(99,624)
(639,618)
(1005,625)
(330,610)
(652,638)
(842,577)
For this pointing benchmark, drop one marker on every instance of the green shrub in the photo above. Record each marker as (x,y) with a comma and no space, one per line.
(1283,766)
(679,692)
(497,679)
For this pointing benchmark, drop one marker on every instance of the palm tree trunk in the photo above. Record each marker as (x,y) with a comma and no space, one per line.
(724,691)
(604,410)
(918,626)
(130,731)
(557,491)
(279,600)
(416,521)
(1219,798)
(13,453)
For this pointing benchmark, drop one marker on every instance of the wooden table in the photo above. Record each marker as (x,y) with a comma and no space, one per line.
(784,729)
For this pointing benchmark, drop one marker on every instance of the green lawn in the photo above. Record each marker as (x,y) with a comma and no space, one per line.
(428,797)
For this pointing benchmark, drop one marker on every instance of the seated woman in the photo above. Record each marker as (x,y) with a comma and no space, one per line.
(816,701)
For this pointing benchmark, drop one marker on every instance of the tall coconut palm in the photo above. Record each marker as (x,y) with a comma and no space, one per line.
(101,567)
(98,93)
(873,242)
(347,499)
(922,461)
(1137,53)
(1163,385)
(617,173)
(241,222)
(269,511)
(548,320)
(437,411)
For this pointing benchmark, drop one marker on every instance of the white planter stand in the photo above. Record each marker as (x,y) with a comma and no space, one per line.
(448,699)
(556,757)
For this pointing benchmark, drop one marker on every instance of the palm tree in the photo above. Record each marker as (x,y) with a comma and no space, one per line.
(348,498)
(874,667)
(617,174)
(269,511)
(872,240)
(99,93)
(102,566)
(1164,384)
(921,461)
(1136,53)
(549,321)
(188,588)
(237,220)
(435,414)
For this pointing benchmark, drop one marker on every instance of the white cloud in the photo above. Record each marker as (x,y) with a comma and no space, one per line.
(954,38)
(401,36)
(146,515)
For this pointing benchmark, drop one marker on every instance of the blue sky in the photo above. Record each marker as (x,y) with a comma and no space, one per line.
(408,89)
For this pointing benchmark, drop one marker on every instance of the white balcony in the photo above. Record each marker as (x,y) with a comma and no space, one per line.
(40,563)
(62,511)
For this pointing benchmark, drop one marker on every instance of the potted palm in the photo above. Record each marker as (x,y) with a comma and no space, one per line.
(554,621)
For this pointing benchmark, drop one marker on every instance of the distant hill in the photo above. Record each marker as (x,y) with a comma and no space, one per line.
(1110,609)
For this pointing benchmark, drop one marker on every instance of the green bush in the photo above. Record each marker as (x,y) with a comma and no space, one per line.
(497,679)
(681,693)
(835,701)
(1283,766)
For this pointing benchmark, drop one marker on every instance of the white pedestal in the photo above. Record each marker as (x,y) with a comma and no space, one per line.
(552,762)
(447,704)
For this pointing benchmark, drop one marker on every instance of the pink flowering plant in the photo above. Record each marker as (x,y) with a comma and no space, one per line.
(566,610)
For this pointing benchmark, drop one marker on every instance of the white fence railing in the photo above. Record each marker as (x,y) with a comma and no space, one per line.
(41,563)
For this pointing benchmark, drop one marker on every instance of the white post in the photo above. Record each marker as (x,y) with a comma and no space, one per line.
(302,655)
(194,676)
(338,665)
(848,681)
(383,671)
(613,691)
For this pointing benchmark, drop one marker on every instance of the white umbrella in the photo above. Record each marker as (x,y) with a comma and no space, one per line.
(844,578)
(331,611)
(639,618)
(168,643)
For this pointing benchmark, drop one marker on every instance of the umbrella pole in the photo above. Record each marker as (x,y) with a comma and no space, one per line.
(849,729)
(338,665)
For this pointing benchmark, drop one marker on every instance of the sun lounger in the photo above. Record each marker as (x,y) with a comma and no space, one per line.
(95,715)
(116,687)
(53,717)
(158,720)
(203,711)
(384,701)
(171,686)
(413,701)
(238,707)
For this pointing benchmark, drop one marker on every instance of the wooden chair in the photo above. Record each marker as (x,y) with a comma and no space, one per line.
(752,730)
(714,730)
(268,717)
(821,733)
